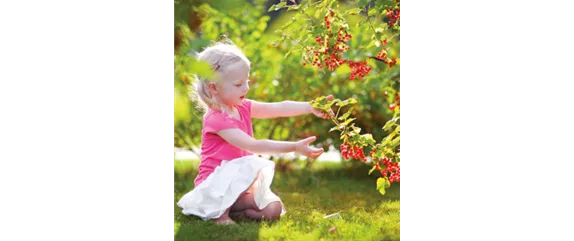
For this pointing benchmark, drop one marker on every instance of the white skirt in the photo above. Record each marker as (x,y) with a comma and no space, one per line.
(220,189)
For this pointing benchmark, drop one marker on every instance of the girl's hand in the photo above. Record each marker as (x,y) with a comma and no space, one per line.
(319,113)
(302,147)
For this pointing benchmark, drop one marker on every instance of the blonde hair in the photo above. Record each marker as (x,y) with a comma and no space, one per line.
(220,56)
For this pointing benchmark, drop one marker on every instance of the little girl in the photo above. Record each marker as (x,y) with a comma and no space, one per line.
(232,181)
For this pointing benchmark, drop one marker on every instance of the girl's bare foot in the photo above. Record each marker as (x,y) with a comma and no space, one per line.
(224,220)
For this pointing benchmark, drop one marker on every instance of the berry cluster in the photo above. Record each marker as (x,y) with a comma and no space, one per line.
(328,21)
(343,37)
(360,68)
(316,60)
(334,60)
(329,54)
(398,100)
(393,170)
(382,54)
(392,62)
(356,152)
(393,15)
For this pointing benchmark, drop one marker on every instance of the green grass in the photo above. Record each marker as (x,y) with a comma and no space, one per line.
(308,195)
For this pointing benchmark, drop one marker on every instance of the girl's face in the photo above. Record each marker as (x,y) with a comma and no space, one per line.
(234,84)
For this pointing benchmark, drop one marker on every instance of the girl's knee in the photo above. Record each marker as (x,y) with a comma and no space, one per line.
(245,201)
(273,210)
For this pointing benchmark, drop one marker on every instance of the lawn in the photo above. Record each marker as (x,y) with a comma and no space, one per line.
(308,195)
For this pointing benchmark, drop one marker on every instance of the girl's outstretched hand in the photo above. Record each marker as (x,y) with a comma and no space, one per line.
(302,147)
(319,113)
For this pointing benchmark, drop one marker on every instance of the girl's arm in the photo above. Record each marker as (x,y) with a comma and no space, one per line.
(262,110)
(241,140)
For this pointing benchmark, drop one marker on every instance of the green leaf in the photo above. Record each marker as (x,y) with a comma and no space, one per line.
(372,11)
(337,101)
(318,12)
(336,128)
(389,125)
(386,3)
(373,169)
(388,152)
(362,3)
(293,7)
(320,98)
(262,25)
(330,3)
(278,6)
(181,108)
(369,139)
(347,121)
(360,23)
(347,102)
(287,24)
(346,115)
(316,31)
(288,53)
(200,68)
(382,184)
(373,43)
(354,11)
(281,5)
(378,152)
(396,142)
(355,138)
(328,105)
(388,138)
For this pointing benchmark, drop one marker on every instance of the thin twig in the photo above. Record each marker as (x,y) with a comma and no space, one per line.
(303,11)
(371,25)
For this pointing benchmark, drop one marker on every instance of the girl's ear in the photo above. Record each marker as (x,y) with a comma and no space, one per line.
(212,88)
